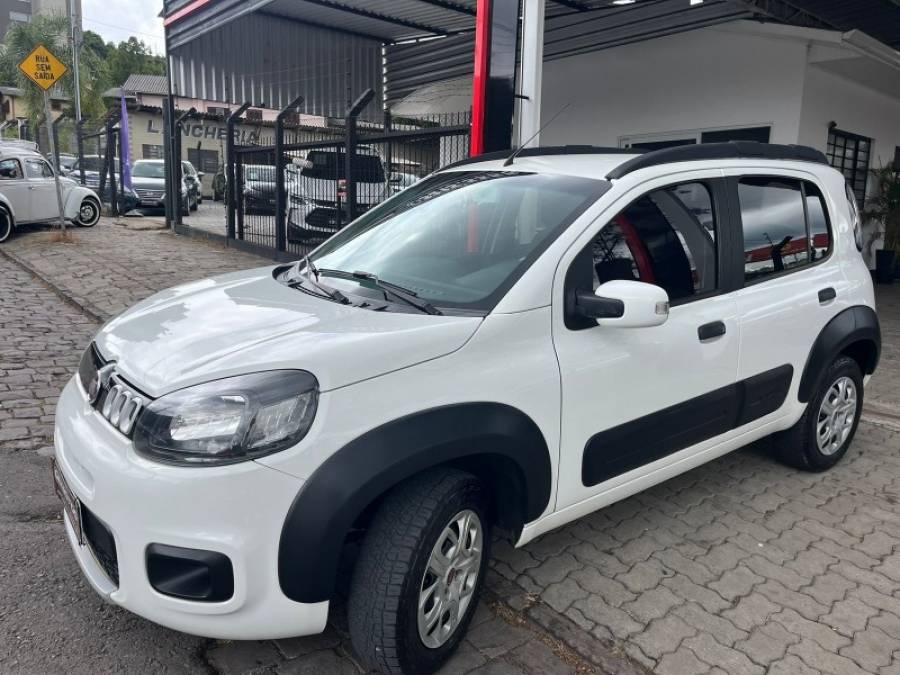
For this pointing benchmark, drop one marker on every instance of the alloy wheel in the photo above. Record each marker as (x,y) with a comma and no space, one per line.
(450,578)
(836,416)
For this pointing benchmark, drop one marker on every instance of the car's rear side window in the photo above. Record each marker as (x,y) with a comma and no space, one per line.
(785,225)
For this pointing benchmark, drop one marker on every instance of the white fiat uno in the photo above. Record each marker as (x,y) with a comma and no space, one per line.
(510,343)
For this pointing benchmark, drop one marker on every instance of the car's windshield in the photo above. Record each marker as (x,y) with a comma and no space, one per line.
(149,170)
(460,239)
(262,174)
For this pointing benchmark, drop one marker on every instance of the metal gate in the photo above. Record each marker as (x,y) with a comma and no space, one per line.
(301,186)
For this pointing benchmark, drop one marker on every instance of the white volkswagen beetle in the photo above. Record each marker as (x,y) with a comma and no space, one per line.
(28,192)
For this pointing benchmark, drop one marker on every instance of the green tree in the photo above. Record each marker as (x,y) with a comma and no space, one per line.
(130,57)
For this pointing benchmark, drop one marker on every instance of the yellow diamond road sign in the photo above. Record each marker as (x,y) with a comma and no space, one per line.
(42,68)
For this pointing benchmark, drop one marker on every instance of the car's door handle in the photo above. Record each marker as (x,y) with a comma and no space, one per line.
(827,295)
(31,187)
(708,331)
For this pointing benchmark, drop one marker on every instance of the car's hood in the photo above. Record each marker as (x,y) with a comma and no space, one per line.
(247,322)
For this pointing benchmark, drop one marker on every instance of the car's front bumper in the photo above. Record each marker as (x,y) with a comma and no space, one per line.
(235,510)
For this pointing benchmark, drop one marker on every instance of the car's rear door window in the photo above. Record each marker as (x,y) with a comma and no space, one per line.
(785,225)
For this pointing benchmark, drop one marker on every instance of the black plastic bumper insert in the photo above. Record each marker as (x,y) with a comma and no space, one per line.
(190,574)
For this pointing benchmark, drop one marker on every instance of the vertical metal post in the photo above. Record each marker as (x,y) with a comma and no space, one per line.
(350,148)
(280,190)
(59,201)
(79,131)
(388,146)
(167,162)
(111,153)
(230,160)
(55,150)
(176,166)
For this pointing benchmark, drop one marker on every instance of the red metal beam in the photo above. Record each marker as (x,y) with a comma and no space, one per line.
(184,11)
(480,79)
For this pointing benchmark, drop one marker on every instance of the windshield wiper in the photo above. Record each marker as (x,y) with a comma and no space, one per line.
(409,297)
(331,293)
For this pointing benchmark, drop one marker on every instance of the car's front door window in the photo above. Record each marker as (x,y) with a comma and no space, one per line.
(38,168)
(666,237)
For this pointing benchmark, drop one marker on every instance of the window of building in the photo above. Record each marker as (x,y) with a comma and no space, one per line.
(152,151)
(19,17)
(666,237)
(776,234)
(849,154)
(10,169)
(206,161)
(649,142)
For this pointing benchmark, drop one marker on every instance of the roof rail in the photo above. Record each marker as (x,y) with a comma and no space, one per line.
(729,150)
(545,150)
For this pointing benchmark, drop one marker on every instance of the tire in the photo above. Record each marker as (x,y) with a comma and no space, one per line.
(88,213)
(399,548)
(799,446)
(6,225)
(194,205)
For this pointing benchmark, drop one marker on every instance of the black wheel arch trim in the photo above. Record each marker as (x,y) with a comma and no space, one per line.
(348,482)
(857,324)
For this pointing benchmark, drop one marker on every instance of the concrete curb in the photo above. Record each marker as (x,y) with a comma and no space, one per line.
(63,295)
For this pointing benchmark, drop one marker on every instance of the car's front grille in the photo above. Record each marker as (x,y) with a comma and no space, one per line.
(144,193)
(102,544)
(109,394)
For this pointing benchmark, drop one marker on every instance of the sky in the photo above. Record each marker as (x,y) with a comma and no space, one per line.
(117,20)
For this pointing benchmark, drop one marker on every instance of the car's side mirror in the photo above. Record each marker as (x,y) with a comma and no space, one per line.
(200,175)
(625,304)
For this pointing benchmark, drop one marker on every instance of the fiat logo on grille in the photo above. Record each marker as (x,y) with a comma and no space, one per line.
(100,381)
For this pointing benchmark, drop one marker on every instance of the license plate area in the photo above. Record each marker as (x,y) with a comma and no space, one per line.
(71,504)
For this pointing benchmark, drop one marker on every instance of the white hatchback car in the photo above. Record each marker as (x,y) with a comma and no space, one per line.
(28,192)
(507,344)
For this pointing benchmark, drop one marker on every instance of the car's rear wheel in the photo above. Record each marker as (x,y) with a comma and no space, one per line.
(821,437)
(88,213)
(6,225)
(420,572)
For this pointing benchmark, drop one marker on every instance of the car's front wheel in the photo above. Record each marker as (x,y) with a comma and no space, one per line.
(821,437)
(88,213)
(6,225)
(420,572)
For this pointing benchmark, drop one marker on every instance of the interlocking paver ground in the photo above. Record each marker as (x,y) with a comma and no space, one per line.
(742,565)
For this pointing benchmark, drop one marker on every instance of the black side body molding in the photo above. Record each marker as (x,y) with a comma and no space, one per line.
(625,447)
(858,324)
(339,491)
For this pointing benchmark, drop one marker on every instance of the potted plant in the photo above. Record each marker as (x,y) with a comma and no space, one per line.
(884,208)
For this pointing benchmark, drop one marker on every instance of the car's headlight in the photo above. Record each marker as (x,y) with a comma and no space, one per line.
(231,420)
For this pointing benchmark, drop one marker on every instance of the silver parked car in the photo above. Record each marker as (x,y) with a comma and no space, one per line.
(28,192)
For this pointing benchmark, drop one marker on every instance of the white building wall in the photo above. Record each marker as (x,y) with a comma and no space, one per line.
(710,78)
(855,108)
(858,109)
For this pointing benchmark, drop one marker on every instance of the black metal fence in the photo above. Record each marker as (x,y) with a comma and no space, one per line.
(292,191)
